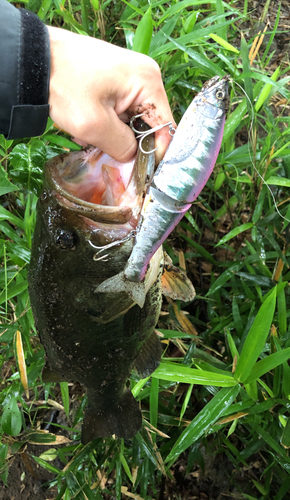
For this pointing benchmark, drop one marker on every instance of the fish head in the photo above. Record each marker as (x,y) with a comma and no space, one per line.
(90,208)
(214,96)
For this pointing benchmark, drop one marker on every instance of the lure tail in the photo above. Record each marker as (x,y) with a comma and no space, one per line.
(123,419)
(136,291)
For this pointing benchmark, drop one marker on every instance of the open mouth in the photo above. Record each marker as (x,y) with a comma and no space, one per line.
(94,177)
(101,189)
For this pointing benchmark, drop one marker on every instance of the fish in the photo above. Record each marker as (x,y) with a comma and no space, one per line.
(178,180)
(87,217)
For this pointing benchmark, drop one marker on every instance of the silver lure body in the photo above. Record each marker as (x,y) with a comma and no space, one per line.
(182,174)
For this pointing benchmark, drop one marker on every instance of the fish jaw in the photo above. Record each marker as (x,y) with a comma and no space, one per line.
(182,174)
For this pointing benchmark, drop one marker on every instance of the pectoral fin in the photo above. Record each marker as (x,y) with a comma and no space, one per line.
(174,282)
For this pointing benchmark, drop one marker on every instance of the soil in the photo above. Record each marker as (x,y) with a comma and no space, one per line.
(26,479)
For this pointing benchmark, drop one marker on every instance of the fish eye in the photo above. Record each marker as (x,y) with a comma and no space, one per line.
(65,239)
(220,94)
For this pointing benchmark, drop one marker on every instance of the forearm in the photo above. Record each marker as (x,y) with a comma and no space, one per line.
(25,68)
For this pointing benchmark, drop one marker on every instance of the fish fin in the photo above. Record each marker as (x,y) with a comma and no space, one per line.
(174,282)
(124,419)
(149,357)
(118,283)
(48,375)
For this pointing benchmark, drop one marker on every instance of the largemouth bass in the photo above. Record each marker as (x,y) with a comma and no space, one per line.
(90,203)
(179,179)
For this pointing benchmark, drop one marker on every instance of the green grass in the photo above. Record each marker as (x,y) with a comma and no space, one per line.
(229,385)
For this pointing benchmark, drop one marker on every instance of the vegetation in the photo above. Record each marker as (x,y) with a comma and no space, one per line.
(223,386)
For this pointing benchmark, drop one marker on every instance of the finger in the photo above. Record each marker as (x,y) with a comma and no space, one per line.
(112,136)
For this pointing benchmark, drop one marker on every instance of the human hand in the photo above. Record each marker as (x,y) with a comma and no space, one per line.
(95,87)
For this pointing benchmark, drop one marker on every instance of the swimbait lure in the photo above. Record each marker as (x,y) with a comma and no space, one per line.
(180,177)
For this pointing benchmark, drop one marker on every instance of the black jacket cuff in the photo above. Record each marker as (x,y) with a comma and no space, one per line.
(30,112)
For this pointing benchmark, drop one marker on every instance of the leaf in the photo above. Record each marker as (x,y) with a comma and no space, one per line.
(256,338)
(269,363)
(45,465)
(28,161)
(171,11)
(278,181)
(179,373)
(266,90)
(6,215)
(223,43)
(143,34)
(200,60)
(224,277)
(43,437)
(65,397)
(5,185)
(285,440)
(21,362)
(205,418)
(11,421)
(12,291)
(236,117)
(154,394)
(49,455)
(234,232)
(61,141)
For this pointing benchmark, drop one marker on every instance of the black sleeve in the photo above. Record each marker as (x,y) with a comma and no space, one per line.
(24,75)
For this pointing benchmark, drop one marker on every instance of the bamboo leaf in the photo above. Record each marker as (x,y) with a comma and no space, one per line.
(179,373)
(265,365)
(226,45)
(143,34)
(21,362)
(11,421)
(65,397)
(256,338)
(266,90)
(234,232)
(205,418)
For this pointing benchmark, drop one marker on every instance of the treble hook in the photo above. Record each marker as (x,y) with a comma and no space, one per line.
(132,234)
(142,135)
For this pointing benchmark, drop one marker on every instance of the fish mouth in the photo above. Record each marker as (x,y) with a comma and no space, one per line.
(93,185)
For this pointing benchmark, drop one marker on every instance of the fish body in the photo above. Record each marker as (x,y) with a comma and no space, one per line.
(180,177)
(95,339)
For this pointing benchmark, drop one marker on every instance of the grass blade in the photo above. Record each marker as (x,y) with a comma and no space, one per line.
(178,373)
(256,338)
(223,43)
(143,35)
(269,363)
(206,417)
(65,397)
(234,232)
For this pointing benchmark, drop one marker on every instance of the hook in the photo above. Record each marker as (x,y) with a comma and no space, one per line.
(132,234)
(142,135)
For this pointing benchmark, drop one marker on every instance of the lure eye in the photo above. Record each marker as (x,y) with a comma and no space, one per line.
(66,240)
(220,94)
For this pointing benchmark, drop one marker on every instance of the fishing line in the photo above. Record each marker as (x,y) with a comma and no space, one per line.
(249,149)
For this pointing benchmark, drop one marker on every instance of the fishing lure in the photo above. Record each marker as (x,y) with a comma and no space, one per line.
(180,177)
